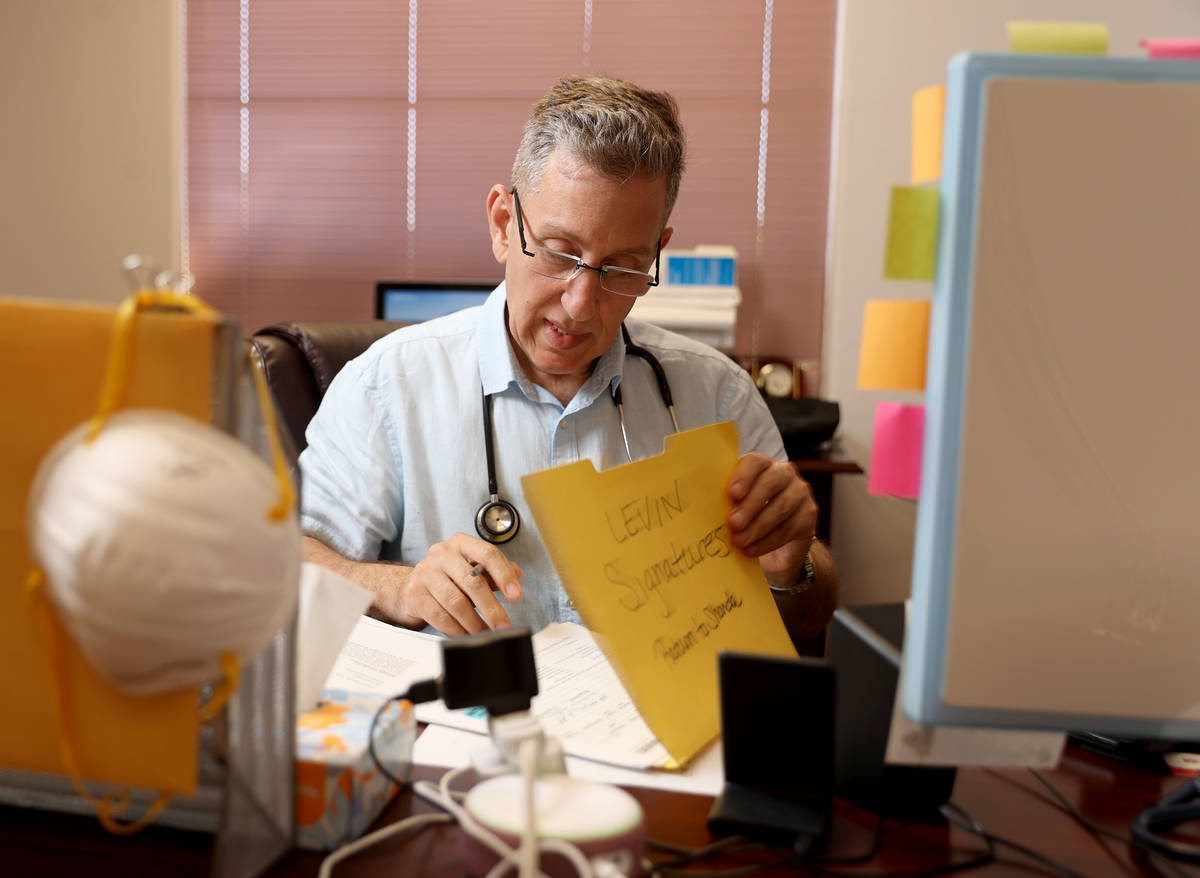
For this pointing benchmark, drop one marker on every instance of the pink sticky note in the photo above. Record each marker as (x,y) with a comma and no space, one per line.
(1180,47)
(896,452)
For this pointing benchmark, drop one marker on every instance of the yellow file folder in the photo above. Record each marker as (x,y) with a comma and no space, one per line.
(52,363)
(643,551)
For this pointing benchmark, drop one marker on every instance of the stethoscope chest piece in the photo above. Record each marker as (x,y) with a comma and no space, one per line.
(497,520)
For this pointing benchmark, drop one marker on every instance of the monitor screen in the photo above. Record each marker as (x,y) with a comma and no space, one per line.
(413,301)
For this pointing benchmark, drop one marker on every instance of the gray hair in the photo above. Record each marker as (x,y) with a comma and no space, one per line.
(614,127)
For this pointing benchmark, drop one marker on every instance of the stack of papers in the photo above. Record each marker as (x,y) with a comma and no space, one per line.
(705,313)
(581,702)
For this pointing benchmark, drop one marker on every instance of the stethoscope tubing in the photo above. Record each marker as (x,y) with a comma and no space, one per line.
(494,504)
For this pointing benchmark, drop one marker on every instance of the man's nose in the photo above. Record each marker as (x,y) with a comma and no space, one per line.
(582,295)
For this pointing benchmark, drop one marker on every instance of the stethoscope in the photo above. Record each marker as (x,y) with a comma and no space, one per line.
(497,520)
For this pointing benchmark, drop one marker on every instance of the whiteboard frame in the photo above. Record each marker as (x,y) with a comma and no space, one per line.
(927,631)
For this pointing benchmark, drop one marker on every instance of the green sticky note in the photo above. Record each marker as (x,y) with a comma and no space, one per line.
(912,234)
(1058,37)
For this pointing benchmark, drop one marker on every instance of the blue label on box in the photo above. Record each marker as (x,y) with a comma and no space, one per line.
(714,271)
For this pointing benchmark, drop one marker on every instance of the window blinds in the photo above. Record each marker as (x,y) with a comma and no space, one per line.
(331,145)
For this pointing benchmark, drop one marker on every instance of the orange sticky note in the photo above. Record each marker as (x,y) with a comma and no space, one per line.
(896,450)
(895,340)
(928,110)
(912,234)
(1058,37)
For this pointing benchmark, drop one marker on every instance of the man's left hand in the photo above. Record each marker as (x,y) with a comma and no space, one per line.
(774,516)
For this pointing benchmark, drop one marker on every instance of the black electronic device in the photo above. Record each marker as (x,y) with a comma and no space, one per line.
(777,735)
(805,424)
(864,646)
(494,670)
(415,301)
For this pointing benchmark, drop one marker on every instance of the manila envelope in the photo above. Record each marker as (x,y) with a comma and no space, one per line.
(643,552)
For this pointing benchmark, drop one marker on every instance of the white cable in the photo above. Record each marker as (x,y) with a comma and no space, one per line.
(432,794)
(555,845)
(499,869)
(354,847)
(443,797)
(508,857)
(528,755)
(448,778)
(572,853)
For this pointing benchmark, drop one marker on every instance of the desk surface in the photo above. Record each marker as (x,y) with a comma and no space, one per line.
(1008,803)
(826,464)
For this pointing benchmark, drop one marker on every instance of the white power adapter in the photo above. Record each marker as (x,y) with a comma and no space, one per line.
(508,733)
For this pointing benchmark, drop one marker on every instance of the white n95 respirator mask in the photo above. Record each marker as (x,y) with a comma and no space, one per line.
(158,551)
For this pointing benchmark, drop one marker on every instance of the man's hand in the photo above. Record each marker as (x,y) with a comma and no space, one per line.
(450,588)
(774,516)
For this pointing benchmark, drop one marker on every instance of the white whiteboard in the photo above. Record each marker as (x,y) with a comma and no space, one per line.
(1057,566)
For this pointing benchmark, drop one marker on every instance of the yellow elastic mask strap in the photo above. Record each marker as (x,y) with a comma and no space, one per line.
(110,805)
(231,675)
(287,491)
(120,348)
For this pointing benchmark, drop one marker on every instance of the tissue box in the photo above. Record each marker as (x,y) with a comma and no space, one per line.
(339,789)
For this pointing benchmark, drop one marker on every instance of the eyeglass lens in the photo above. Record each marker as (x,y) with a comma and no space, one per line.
(561,266)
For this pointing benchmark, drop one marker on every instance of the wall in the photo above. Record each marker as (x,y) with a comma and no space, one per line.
(888,51)
(90,145)
(90,163)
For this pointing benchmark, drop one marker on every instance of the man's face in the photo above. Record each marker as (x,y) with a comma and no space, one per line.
(560,327)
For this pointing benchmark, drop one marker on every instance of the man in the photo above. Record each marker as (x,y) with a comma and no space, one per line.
(435,424)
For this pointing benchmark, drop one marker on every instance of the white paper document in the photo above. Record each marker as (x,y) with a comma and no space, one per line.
(914,743)
(444,747)
(385,660)
(329,607)
(581,702)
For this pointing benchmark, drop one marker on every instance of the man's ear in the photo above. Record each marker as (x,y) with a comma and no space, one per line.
(666,236)
(499,212)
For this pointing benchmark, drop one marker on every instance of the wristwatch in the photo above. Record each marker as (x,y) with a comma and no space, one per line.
(807,578)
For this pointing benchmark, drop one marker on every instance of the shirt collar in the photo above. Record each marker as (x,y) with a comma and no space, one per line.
(498,366)
(499,369)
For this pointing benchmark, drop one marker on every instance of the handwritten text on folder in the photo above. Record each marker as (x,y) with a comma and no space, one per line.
(643,552)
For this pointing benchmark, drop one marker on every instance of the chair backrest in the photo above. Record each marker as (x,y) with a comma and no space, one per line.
(300,359)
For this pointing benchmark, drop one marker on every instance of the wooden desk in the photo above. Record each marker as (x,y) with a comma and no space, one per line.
(1009,803)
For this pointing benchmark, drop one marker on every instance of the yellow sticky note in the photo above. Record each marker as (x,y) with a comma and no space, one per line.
(643,552)
(928,110)
(1058,37)
(895,341)
(912,234)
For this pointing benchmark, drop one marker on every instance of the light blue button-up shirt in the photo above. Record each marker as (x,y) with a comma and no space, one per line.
(395,459)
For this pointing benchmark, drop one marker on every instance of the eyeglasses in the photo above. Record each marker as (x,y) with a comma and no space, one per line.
(563,266)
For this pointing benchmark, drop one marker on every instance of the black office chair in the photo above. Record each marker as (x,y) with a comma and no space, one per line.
(300,360)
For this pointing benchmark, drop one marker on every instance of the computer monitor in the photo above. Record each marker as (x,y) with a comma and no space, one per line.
(414,301)
(1056,572)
